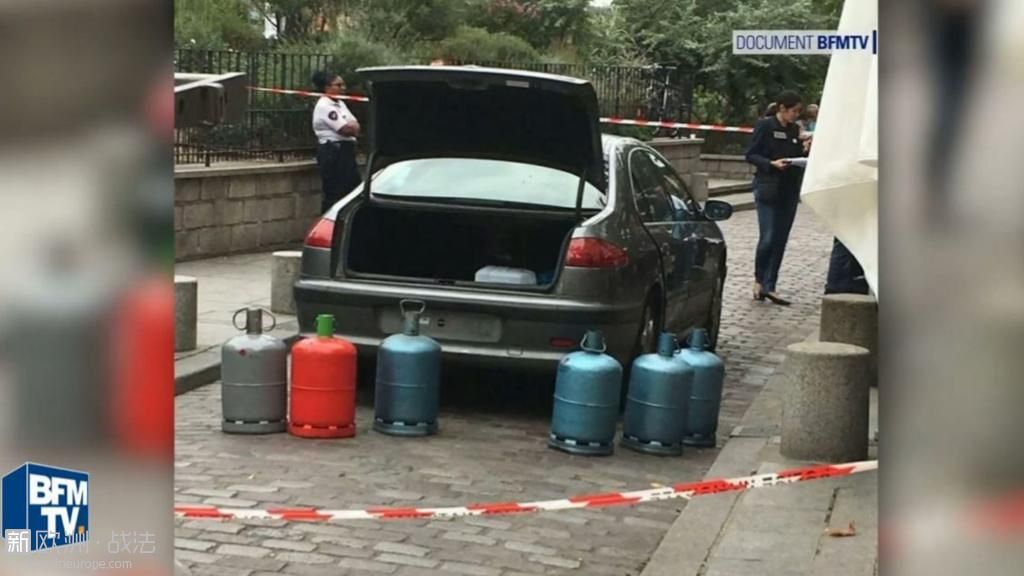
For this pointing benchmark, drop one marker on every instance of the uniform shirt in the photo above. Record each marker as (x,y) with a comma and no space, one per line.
(328,117)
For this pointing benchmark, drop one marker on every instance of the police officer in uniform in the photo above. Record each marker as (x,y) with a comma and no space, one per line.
(776,140)
(336,130)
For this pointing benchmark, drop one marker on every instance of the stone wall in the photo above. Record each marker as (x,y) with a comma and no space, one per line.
(243,208)
(727,167)
(684,155)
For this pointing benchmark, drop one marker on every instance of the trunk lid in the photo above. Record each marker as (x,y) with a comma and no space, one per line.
(455,111)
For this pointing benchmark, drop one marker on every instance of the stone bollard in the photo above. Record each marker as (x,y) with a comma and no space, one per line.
(186,303)
(852,319)
(825,402)
(284,272)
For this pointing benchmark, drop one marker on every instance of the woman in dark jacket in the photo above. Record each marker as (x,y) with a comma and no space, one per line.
(776,139)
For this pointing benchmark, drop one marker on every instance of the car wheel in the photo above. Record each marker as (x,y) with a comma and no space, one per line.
(714,320)
(647,338)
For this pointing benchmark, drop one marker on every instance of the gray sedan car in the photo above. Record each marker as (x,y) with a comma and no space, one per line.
(495,199)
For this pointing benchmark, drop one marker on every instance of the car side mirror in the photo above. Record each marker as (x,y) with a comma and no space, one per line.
(717,210)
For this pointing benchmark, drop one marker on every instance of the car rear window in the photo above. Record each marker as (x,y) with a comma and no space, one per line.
(485,181)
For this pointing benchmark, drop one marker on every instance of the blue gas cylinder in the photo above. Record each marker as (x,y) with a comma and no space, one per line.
(586,407)
(706,393)
(408,382)
(656,407)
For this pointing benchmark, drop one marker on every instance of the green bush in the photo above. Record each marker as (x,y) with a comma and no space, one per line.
(478,45)
(216,25)
(348,53)
(641,133)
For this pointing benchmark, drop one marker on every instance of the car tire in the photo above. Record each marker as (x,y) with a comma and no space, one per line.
(714,322)
(650,327)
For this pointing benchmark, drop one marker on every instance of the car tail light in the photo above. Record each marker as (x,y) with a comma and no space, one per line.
(565,343)
(595,253)
(321,234)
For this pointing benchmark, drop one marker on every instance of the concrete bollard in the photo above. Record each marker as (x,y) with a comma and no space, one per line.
(186,305)
(852,319)
(825,402)
(283,274)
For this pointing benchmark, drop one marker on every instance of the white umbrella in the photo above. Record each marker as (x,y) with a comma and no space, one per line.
(841,182)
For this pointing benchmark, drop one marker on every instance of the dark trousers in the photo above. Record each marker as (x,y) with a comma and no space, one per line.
(845,275)
(339,173)
(774,220)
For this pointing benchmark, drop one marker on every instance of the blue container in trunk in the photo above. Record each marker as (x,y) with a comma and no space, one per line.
(408,383)
(706,395)
(586,408)
(656,406)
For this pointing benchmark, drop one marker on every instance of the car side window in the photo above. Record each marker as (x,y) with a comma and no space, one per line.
(649,188)
(678,190)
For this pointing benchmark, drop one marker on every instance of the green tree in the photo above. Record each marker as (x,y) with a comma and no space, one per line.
(216,24)
(542,23)
(478,45)
(299,20)
(607,41)
(405,23)
(696,35)
(745,84)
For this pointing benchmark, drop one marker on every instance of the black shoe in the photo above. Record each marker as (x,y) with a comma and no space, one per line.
(775,299)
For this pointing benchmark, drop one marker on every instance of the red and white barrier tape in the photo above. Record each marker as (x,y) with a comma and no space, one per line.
(311,94)
(680,125)
(603,500)
(621,121)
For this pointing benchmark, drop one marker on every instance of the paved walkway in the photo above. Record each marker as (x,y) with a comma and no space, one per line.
(225,285)
(780,530)
(492,447)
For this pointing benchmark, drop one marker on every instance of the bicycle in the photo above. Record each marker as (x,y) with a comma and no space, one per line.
(664,101)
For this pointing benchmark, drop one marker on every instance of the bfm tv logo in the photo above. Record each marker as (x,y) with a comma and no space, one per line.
(50,504)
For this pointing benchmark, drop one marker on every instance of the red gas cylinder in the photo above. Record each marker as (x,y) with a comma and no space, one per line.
(323,386)
(143,370)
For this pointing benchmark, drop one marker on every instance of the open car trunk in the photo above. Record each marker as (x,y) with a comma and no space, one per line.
(451,245)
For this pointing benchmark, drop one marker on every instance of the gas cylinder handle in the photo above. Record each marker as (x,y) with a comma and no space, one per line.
(273,320)
(273,324)
(404,306)
(584,347)
(234,319)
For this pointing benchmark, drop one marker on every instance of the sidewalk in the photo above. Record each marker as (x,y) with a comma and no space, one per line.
(225,285)
(736,192)
(778,531)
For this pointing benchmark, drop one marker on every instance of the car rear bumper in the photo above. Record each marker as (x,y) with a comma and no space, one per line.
(497,328)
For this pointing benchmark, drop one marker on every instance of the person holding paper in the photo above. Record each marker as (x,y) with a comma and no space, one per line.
(776,141)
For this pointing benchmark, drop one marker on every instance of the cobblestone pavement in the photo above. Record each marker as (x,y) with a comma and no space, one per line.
(492,448)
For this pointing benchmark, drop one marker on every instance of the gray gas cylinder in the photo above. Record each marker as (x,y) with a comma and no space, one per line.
(254,378)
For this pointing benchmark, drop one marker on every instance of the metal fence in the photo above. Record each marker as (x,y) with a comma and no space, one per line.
(277,126)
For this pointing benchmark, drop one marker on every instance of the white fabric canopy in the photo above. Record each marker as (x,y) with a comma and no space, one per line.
(841,182)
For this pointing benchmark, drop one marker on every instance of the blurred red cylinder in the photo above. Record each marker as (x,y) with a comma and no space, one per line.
(323,385)
(143,391)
